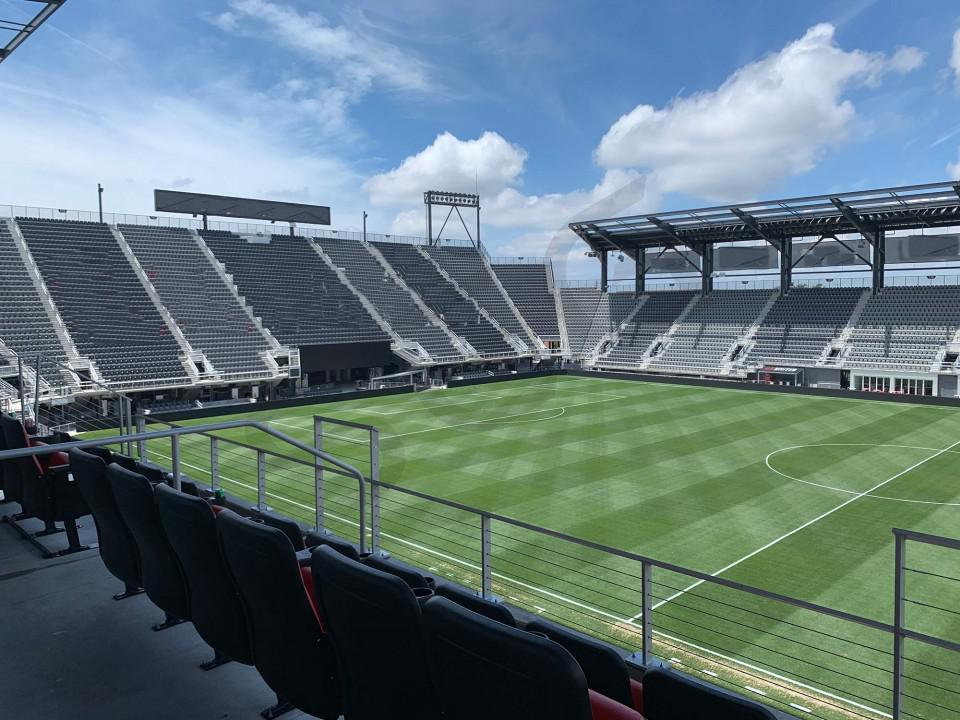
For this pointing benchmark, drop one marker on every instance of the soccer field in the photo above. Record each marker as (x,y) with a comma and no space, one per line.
(792,494)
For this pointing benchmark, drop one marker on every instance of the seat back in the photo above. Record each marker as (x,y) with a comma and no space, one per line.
(669,695)
(118,549)
(472,601)
(20,474)
(290,649)
(191,528)
(604,668)
(162,577)
(409,574)
(7,496)
(485,669)
(371,615)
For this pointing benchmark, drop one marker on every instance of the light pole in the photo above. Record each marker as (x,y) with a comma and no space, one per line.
(364,225)
(100,200)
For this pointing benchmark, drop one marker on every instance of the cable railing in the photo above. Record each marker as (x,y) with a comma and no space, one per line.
(804,658)
(801,657)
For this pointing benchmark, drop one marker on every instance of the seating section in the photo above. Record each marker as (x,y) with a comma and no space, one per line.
(289,286)
(586,312)
(659,311)
(457,312)
(206,311)
(391,301)
(904,328)
(468,268)
(528,287)
(802,323)
(707,334)
(24,325)
(100,298)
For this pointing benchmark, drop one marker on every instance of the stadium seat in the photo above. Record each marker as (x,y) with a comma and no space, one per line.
(470,600)
(409,574)
(43,487)
(118,548)
(373,615)
(190,526)
(485,669)
(604,668)
(344,547)
(668,695)
(290,649)
(162,577)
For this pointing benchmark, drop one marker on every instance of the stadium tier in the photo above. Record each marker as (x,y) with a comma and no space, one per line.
(460,314)
(657,313)
(394,304)
(587,315)
(25,327)
(529,286)
(202,305)
(109,314)
(299,298)
(471,272)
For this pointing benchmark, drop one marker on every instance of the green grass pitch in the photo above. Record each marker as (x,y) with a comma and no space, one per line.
(792,494)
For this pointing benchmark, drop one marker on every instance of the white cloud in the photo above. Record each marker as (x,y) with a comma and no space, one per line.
(494,167)
(953,169)
(355,61)
(955,59)
(769,120)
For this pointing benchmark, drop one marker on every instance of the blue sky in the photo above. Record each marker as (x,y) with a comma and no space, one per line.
(553,110)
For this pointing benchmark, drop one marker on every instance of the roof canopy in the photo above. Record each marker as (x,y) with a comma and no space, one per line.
(867,212)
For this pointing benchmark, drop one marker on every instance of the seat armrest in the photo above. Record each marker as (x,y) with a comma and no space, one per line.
(603,708)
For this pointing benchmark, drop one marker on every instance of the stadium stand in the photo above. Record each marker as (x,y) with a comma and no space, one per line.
(654,318)
(289,286)
(621,303)
(802,323)
(587,314)
(905,328)
(458,313)
(110,316)
(203,307)
(391,301)
(704,338)
(24,324)
(529,288)
(472,273)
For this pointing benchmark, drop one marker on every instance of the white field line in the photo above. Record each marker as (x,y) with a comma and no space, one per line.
(571,390)
(555,596)
(439,406)
(801,527)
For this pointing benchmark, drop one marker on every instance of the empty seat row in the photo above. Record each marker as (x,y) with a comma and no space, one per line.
(335,632)
(529,288)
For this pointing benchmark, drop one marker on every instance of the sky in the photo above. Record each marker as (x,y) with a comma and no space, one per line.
(550,111)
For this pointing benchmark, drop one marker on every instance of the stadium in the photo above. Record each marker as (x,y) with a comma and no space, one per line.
(367,475)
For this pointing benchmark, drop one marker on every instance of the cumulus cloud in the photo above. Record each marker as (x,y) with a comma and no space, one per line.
(955,59)
(494,167)
(769,120)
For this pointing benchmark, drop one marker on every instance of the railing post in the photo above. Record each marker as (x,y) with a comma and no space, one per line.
(121,423)
(175,460)
(141,444)
(374,489)
(214,463)
(646,580)
(318,488)
(899,603)
(486,558)
(261,480)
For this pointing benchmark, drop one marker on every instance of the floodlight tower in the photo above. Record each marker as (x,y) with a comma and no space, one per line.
(454,201)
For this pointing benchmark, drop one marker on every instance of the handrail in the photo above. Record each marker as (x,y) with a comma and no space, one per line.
(177,431)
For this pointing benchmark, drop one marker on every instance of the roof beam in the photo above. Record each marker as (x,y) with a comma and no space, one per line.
(48,9)
(751,222)
(956,189)
(869,235)
(666,227)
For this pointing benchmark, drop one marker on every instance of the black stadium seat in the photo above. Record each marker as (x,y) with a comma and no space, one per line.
(290,648)
(344,547)
(372,616)
(162,577)
(604,668)
(668,695)
(409,574)
(118,549)
(44,489)
(485,669)
(472,601)
(215,609)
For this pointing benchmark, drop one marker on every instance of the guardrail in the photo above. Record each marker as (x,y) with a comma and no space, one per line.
(803,657)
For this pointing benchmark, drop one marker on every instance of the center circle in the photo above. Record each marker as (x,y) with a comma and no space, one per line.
(770,456)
